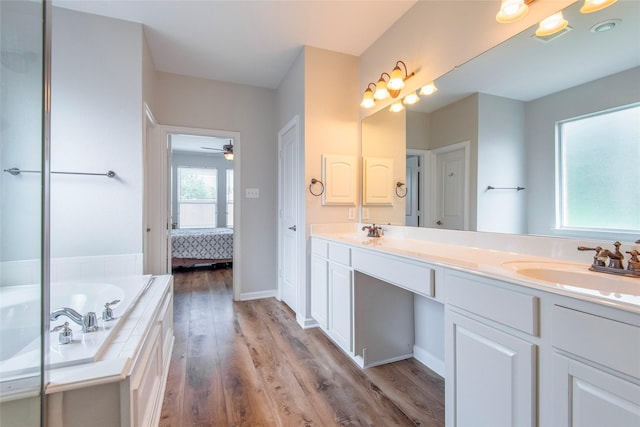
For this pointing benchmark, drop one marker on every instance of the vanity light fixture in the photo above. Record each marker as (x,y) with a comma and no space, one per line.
(428,89)
(396,107)
(512,10)
(397,78)
(411,99)
(382,92)
(367,98)
(551,25)
(595,5)
(388,85)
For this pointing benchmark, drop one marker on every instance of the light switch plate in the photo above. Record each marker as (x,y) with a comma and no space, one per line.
(365,213)
(352,213)
(251,193)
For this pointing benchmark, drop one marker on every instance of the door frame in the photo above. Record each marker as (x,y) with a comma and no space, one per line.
(422,193)
(431,165)
(161,151)
(302,306)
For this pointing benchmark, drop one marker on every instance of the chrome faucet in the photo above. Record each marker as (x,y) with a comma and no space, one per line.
(612,262)
(89,321)
(374,231)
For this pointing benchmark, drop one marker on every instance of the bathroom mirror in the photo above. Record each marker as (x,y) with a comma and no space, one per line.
(504,104)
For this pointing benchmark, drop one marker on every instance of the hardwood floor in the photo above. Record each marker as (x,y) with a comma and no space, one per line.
(250,364)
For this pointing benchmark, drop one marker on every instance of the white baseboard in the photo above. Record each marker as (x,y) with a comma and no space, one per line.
(307,323)
(247,296)
(429,360)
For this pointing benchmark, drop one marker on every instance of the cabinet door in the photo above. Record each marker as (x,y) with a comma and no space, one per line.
(340,306)
(586,396)
(491,374)
(319,290)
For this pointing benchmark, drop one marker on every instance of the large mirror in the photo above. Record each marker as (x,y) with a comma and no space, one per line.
(492,123)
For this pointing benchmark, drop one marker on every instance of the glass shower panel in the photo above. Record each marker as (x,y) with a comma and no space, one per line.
(21,146)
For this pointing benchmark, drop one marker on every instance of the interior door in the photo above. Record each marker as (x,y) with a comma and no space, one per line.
(450,180)
(288,227)
(412,198)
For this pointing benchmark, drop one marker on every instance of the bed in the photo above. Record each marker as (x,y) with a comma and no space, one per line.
(192,246)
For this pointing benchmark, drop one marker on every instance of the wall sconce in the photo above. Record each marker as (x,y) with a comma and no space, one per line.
(428,89)
(551,25)
(382,92)
(367,99)
(512,10)
(397,78)
(595,5)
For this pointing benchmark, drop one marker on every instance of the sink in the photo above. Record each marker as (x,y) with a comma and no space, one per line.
(574,275)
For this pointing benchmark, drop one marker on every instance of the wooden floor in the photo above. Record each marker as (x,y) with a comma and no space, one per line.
(250,364)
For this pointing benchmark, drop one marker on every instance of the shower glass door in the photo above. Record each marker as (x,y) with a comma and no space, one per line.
(21,212)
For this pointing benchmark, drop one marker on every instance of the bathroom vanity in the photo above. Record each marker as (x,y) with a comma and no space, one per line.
(529,335)
(125,386)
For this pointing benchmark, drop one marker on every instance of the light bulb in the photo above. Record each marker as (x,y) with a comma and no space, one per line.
(595,5)
(411,98)
(428,89)
(367,99)
(396,81)
(381,90)
(551,25)
(396,107)
(511,11)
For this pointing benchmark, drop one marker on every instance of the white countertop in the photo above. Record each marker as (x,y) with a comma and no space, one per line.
(475,253)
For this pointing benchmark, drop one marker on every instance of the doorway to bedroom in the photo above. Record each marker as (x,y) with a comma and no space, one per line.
(201,195)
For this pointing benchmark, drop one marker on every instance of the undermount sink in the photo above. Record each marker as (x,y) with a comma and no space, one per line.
(574,275)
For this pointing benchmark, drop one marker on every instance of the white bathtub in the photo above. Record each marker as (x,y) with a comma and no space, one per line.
(20,323)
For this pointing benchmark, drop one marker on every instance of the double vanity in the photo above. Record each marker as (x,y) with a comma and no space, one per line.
(522,331)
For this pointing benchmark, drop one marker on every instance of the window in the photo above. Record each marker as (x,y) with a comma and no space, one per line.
(599,171)
(197,197)
(229,197)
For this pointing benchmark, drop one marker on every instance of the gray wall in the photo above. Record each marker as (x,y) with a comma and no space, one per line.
(96,126)
(208,104)
(541,116)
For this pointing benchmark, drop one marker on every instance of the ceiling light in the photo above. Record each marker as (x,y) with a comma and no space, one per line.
(595,5)
(396,107)
(605,26)
(381,88)
(551,25)
(411,98)
(511,11)
(428,89)
(397,78)
(367,98)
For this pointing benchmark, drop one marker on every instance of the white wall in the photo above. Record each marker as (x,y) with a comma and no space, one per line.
(96,126)
(501,163)
(208,104)
(541,116)
(216,161)
(20,131)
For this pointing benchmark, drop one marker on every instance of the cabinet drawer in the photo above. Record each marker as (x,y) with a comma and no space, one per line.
(340,254)
(514,309)
(412,276)
(319,247)
(605,341)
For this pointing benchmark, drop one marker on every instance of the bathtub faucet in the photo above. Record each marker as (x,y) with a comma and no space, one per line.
(89,321)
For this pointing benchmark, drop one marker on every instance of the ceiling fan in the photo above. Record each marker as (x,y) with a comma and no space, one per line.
(226,149)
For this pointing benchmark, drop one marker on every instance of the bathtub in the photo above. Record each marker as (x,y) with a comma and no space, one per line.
(20,324)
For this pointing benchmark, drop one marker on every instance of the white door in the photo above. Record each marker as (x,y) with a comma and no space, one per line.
(451,189)
(288,226)
(412,198)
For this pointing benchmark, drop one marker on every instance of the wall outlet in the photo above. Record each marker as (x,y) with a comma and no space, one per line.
(251,193)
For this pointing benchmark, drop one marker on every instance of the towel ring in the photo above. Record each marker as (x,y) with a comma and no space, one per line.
(400,185)
(316,181)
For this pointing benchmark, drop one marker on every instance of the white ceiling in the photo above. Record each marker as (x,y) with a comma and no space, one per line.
(247,42)
(199,144)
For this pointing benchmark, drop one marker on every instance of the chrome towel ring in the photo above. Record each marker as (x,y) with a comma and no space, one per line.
(313,182)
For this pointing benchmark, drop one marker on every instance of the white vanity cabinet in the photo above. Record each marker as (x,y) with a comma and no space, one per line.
(332,291)
(596,370)
(491,364)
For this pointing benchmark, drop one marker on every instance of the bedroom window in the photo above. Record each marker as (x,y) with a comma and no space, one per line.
(197,197)
(229,197)
(598,158)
